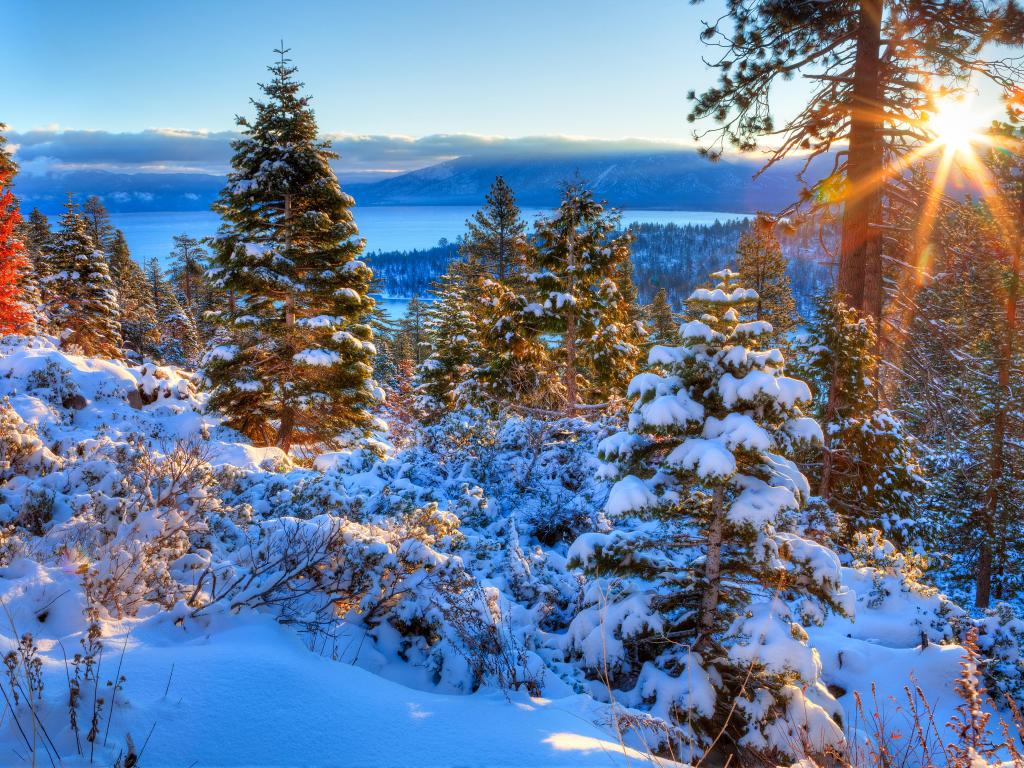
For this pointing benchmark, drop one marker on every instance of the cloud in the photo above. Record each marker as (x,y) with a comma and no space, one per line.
(363,157)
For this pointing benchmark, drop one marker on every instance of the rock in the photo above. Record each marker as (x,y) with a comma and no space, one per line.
(76,401)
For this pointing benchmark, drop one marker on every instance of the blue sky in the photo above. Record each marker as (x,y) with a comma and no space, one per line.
(595,68)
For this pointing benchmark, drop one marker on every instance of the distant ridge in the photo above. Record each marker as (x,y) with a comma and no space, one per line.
(673,181)
(680,180)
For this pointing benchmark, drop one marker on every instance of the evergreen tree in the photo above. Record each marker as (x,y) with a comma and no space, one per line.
(958,365)
(496,239)
(869,471)
(878,66)
(179,340)
(705,550)
(762,266)
(98,224)
(414,332)
(188,271)
(34,233)
(664,326)
(135,301)
(579,258)
(516,363)
(81,295)
(455,348)
(293,364)
(7,164)
(16,314)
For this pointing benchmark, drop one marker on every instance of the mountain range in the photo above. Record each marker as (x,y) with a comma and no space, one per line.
(678,180)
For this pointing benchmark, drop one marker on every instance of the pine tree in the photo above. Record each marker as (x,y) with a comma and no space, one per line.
(705,551)
(414,332)
(496,239)
(188,271)
(663,323)
(869,471)
(293,363)
(134,299)
(81,295)
(958,363)
(878,66)
(516,364)
(98,224)
(455,348)
(7,164)
(762,266)
(15,313)
(179,340)
(34,233)
(579,256)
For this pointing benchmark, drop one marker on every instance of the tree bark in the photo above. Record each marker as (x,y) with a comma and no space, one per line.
(983,581)
(860,259)
(712,568)
(571,394)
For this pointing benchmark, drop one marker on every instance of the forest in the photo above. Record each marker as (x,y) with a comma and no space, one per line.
(746,494)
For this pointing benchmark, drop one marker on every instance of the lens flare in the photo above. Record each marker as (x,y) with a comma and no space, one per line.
(957,124)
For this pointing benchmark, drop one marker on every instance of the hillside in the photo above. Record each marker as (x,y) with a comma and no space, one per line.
(677,180)
(373,687)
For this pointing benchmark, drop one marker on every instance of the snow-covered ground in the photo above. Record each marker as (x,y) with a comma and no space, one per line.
(234,686)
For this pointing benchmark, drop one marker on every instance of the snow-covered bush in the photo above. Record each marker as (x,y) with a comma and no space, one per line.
(688,609)
(1001,642)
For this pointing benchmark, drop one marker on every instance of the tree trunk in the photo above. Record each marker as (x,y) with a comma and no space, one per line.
(571,394)
(287,418)
(983,581)
(712,569)
(860,259)
(285,429)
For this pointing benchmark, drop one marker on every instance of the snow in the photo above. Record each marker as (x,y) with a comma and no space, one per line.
(671,410)
(628,495)
(247,689)
(317,357)
(708,458)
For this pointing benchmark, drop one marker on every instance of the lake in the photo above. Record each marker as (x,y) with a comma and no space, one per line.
(386,228)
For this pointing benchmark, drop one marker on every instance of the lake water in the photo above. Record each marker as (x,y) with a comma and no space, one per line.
(386,228)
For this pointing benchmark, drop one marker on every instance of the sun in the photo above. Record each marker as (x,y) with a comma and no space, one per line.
(957,124)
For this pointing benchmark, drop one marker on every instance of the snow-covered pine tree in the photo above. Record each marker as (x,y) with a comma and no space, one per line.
(688,604)
(7,164)
(179,340)
(82,300)
(455,348)
(868,470)
(762,266)
(580,256)
(139,329)
(34,232)
(16,311)
(662,322)
(293,363)
(516,364)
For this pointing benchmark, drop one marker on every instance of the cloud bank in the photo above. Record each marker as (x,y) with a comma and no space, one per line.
(363,158)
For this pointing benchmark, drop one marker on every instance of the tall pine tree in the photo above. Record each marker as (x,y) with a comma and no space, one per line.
(293,362)
(705,551)
(580,256)
(762,266)
(81,295)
